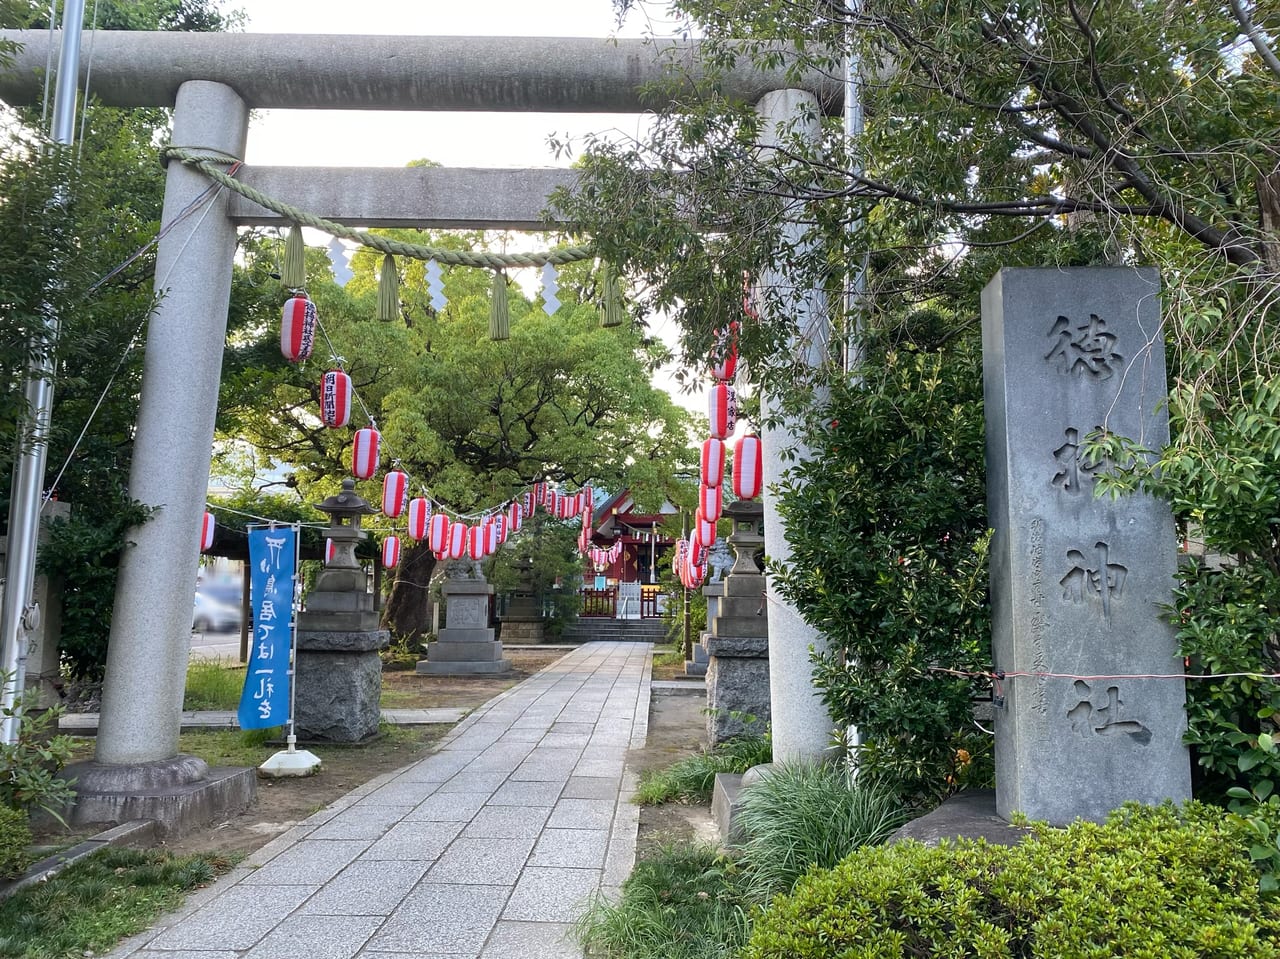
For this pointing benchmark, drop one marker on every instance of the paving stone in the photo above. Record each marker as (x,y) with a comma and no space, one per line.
(316,937)
(235,920)
(522,734)
(572,848)
(366,888)
(573,740)
(469,782)
(310,862)
(592,787)
(541,772)
(548,894)
(565,727)
(413,842)
(600,768)
(440,766)
(361,822)
(447,807)
(507,822)
(531,940)
(400,792)
(440,919)
(582,814)
(482,861)
(526,794)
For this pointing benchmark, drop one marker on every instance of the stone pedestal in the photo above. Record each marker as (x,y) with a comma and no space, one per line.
(737,642)
(523,623)
(180,795)
(466,646)
(42,672)
(1078,583)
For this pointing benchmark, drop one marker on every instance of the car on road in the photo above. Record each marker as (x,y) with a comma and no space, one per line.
(211,616)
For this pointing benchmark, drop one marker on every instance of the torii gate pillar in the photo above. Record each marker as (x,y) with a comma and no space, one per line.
(137,747)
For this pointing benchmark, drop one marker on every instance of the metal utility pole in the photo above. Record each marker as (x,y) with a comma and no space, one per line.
(19,615)
(853,126)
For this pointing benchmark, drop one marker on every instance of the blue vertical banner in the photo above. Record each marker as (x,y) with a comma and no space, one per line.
(273,555)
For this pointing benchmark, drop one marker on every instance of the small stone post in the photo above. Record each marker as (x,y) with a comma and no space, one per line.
(1077,582)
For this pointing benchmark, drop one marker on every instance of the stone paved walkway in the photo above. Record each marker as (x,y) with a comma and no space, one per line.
(485,849)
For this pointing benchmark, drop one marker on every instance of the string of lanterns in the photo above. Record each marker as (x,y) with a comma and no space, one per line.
(424,518)
(689,560)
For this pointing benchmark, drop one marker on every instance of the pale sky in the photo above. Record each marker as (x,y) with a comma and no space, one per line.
(380,138)
(383,138)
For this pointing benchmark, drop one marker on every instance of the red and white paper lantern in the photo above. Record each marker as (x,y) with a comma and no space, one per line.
(724,353)
(704,530)
(696,552)
(438,534)
(722,407)
(711,501)
(297,329)
(493,535)
(329,550)
(748,467)
(476,542)
(419,517)
(712,462)
(207,526)
(680,556)
(515,517)
(459,534)
(335,399)
(395,493)
(390,552)
(364,453)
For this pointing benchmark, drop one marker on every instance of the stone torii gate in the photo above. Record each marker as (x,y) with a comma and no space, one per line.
(213,81)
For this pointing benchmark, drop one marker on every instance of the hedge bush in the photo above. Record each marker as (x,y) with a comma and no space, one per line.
(1150,883)
(15,837)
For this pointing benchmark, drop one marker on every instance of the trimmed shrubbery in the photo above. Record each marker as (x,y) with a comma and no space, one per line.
(1162,883)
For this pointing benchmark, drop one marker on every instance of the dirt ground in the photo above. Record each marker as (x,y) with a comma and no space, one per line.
(675,730)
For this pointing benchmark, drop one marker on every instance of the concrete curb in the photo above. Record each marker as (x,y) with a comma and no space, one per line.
(140,832)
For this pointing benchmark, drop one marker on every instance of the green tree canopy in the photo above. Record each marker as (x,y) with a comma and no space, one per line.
(473,421)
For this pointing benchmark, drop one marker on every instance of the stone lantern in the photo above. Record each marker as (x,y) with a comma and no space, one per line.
(343,572)
(339,673)
(737,642)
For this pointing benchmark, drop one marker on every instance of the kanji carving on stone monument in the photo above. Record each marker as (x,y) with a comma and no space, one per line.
(1087,350)
(1102,581)
(1107,720)
(1075,468)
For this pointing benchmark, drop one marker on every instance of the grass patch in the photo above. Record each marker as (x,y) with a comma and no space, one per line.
(692,779)
(231,747)
(398,698)
(90,906)
(213,684)
(672,655)
(684,903)
(803,815)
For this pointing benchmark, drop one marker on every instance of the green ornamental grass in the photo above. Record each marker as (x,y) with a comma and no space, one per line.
(692,779)
(91,905)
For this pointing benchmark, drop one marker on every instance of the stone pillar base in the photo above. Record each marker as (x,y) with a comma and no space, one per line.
(180,795)
(339,677)
(737,687)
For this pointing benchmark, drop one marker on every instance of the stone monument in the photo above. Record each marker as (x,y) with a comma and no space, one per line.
(1077,582)
(466,646)
(338,672)
(737,641)
(523,624)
